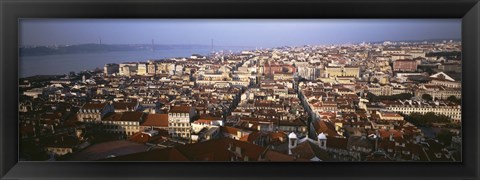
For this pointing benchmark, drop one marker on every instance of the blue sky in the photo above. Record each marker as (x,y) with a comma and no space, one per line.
(233,32)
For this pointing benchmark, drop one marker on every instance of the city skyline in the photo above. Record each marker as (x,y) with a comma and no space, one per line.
(264,33)
(395,100)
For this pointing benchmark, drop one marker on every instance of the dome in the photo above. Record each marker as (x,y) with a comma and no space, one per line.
(292,135)
(322,136)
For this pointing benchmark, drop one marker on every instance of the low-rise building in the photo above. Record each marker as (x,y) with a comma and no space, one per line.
(93,112)
(125,123)
(405,65)
(179,118)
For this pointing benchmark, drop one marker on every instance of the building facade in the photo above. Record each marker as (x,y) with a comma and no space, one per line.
(405,65)
(179,118)
(93,112)
(110,69)
(454,112)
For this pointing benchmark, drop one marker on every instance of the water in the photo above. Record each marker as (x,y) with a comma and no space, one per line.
(63,64)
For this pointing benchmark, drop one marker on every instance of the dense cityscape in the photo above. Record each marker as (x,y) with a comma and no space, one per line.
(385,101)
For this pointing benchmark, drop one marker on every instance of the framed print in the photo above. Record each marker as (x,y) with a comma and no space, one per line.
(240,89)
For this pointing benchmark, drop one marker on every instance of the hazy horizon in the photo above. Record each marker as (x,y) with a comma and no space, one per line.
(233,32)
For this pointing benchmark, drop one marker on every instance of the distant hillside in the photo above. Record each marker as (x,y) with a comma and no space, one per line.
(95,48)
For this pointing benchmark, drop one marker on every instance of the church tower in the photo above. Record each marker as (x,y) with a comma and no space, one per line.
(292,142)
(322,141)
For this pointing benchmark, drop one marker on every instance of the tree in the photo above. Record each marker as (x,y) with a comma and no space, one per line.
(402,96)
(416,119)
(429,70)
(453,99)
(427,97)
(427,119)
(372,97)
(448,55)
(445,136)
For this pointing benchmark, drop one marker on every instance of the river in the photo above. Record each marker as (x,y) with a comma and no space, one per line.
(65,63)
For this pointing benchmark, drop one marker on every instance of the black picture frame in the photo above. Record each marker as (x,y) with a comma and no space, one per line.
(11,11)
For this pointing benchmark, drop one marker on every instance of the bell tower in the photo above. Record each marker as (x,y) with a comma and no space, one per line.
(292,142)
(322,141)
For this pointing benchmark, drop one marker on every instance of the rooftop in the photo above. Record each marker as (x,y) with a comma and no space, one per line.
(159,120)
(93,105)
(180,109)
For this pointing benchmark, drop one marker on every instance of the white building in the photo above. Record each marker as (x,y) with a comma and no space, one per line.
(179,118)
(454,112)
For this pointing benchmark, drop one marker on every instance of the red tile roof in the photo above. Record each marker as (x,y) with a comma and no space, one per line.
(325,127)
(131,116)
(309,150)
(112,117)
(168,154)
(277,156)
(92,105)
(217,150)
(158,120)
(251,137)
(124,105)
(213,150)
(229,130)
(337,143)
(140,137)
(385,134)
(180,109)
(125,116)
